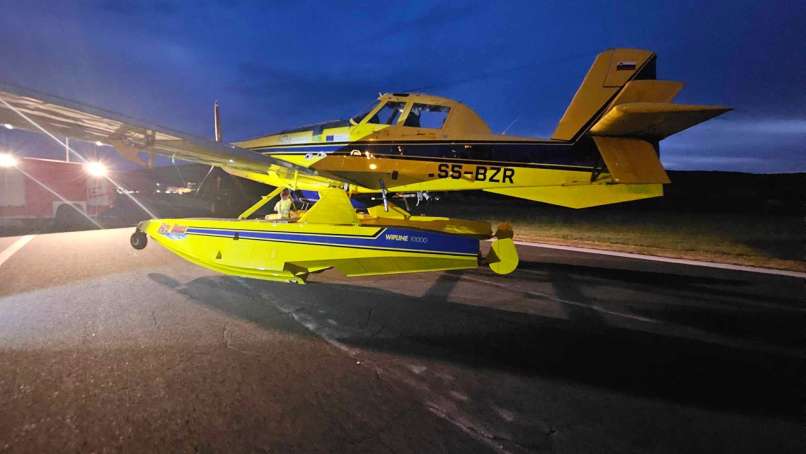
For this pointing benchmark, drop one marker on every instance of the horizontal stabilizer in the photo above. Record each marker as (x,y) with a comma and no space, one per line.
(653,120)
(631,161)
(648,91)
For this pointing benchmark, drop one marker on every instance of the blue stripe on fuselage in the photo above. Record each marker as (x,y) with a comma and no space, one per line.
(389,238)
(300,149)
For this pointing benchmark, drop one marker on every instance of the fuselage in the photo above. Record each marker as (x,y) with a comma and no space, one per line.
(416,142)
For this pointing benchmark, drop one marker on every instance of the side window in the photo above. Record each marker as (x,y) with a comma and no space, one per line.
(389,114)
(427,116)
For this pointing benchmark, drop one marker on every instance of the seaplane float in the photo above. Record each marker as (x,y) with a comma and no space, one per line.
(331,234)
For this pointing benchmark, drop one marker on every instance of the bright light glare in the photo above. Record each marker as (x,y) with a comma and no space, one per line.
(373,166)
(8,126)
(67,147)
(96,169)
(98,143)
(8,160)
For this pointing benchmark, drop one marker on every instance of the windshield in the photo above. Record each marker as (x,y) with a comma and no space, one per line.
(364,113)
(389,113)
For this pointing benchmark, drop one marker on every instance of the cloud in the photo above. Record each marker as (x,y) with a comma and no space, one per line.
(744,144)
(278,64)
(721,133)
(132,9)
(437,15)
(764,126)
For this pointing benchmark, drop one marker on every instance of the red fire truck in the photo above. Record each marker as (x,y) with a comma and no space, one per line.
(41,193)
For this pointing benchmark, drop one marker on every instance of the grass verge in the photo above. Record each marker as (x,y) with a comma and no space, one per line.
(770,241)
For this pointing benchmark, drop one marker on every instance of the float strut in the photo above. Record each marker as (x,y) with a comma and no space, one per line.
(383,195)
(259,204)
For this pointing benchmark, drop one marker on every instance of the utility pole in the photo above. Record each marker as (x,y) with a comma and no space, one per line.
(217,122)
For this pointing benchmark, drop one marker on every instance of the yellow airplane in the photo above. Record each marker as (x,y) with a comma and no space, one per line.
(604,150)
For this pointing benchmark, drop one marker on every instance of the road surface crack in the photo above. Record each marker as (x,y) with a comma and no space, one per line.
(226,340)
(369,317)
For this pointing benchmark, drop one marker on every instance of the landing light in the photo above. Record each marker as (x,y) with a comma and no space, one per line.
(96,169)
(8,126)
(98,143)
(373,166)
(7,160)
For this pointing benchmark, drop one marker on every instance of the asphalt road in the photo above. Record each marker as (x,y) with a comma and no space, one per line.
(104,348)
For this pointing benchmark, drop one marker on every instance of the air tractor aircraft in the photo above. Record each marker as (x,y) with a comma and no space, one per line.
(604,150)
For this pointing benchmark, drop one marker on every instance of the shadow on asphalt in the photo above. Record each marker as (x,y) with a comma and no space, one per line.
(630,276)
(718,288)
(712,303)
(229,297)
(582,349)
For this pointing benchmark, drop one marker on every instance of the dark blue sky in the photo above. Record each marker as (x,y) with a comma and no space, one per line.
(279,64)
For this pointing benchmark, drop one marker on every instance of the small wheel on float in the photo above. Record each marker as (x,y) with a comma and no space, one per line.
(139,240)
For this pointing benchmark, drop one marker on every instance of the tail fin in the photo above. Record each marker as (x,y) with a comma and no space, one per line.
(627,112)
(608,74)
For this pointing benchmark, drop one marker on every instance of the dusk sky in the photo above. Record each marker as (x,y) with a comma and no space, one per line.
(275,65)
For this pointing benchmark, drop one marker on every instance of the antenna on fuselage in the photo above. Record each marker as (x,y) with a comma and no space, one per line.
(217,121)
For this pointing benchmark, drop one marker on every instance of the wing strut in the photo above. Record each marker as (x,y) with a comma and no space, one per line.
(260,203)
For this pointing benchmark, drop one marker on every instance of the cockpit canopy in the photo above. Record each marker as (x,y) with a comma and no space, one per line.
(416,110)
(405,116)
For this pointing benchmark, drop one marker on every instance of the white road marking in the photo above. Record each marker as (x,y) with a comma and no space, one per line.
(449,413)
(15,246)
(653,258)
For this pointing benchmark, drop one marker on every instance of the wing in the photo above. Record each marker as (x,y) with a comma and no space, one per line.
(26,109)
